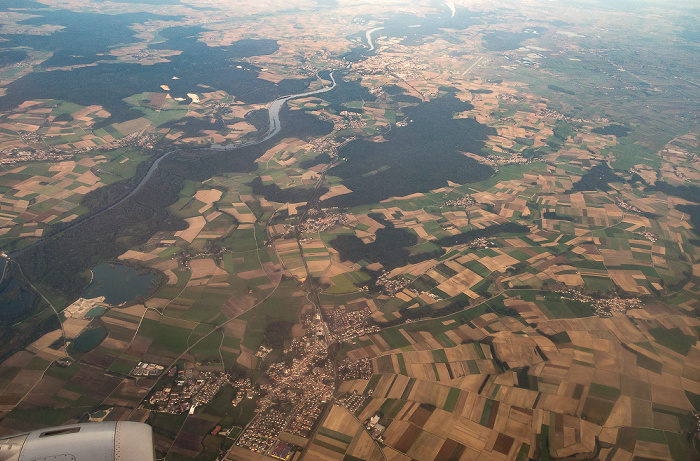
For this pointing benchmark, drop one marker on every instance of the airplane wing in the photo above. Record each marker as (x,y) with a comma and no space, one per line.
(105,441)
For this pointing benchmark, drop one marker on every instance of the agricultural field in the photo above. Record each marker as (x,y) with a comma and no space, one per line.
(394,231)
(506,388)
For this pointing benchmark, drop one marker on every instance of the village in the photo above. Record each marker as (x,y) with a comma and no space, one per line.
(604,307)
(191,389)
(348,325)
(626,206)
(351,120)
(327,145)
(353,402)
(41,155)
(465,201)
(394,285)
(297,393)
(321,220)
(54,154)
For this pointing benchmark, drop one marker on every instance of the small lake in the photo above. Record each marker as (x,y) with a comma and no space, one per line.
(14,299)
(119,284)
(88,339)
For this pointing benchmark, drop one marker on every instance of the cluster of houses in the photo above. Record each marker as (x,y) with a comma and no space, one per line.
(391,286)
(604,307)
(189,391)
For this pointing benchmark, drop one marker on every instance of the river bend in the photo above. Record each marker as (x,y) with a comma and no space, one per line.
(275,126)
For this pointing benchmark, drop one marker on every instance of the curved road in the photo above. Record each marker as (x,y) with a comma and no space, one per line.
(275,126)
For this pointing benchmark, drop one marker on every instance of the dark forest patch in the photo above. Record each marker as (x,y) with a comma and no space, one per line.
(614,129)
(597,178)
(417,158)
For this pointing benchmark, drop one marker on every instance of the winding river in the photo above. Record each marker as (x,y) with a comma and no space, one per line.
(275,126)
(368,35)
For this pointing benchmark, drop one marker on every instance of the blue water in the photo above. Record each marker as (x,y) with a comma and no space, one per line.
(118,284)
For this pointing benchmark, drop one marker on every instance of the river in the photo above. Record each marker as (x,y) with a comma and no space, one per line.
(275,126)
(368,34)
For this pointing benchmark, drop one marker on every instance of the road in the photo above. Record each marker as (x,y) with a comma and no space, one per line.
(314,289)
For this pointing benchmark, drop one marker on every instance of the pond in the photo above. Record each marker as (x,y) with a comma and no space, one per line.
(119,284)
(89,339)
(14,298)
